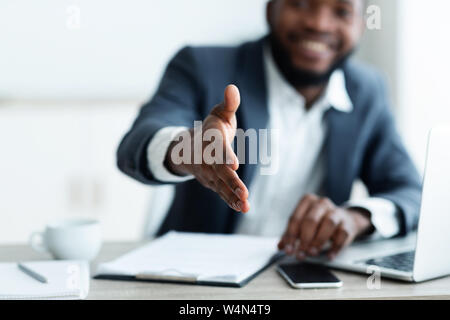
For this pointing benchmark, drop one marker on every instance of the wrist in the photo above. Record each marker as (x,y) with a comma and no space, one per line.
(179,169)
(361,218)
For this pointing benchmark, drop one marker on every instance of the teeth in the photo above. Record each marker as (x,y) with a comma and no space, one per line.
(314,45)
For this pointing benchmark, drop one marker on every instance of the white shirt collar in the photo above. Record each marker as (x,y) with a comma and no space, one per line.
(335,94)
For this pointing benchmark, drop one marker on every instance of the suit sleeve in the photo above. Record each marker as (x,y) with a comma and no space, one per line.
(388,171)
(175,104)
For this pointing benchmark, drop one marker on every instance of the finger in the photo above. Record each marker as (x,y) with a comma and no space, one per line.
(232,98)
(207,176)
(290,236)
(228,196)
(232,180)
(339,240)
(244,205)
(227,109)
(310,224)
(237,205)
(325,231)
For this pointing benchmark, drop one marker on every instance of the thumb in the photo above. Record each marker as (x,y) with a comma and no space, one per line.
(227,109)
(232,98)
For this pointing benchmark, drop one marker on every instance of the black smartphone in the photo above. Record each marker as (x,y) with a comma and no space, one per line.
(308,276)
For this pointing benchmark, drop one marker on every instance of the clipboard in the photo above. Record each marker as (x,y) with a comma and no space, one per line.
(192,280)
(253,255)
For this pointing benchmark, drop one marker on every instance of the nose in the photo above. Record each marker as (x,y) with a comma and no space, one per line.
(320,19)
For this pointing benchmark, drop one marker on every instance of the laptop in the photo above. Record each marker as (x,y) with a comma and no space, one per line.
(422,255)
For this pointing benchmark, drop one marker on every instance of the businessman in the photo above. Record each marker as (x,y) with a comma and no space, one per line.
(334,126)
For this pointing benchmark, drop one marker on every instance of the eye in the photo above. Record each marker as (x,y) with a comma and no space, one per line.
(300,4)
(344,13)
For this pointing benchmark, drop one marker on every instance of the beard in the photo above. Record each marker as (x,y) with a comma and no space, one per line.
(298,77)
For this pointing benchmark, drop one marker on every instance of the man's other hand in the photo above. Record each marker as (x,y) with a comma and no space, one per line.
(219,177)
(317,221)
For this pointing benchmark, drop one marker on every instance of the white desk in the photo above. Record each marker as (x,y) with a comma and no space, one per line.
(268,285)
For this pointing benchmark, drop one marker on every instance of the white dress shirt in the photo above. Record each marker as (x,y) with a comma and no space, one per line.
(301,163)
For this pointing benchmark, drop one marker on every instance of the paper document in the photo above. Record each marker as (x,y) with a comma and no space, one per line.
(66,280)
(196,257)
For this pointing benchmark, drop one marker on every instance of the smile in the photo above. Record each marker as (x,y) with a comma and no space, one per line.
(314,46)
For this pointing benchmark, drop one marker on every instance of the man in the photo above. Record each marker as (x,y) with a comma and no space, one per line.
(334,126)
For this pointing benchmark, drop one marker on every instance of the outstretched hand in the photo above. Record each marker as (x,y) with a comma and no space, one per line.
(218,175)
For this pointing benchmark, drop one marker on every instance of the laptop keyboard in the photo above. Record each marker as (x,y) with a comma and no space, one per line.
(403,261)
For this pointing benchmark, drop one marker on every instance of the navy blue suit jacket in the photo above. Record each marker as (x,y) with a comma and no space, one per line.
(363,144)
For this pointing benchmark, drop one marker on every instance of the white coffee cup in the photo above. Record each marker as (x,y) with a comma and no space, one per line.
(69,239)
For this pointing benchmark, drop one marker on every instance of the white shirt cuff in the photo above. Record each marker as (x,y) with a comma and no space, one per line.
(156,155)
(383,215)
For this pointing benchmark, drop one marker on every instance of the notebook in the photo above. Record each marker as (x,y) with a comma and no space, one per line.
(205,259)
(66,280)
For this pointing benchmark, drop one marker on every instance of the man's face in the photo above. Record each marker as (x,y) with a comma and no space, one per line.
(316,34)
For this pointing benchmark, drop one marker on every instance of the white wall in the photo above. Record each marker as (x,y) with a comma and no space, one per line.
(424,67)
(120,49)
(51,145)
(122,46)
(379,47)
(413,51)
(58,161)
(67,96)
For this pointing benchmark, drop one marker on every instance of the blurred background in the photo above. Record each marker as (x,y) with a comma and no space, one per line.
(74,73)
